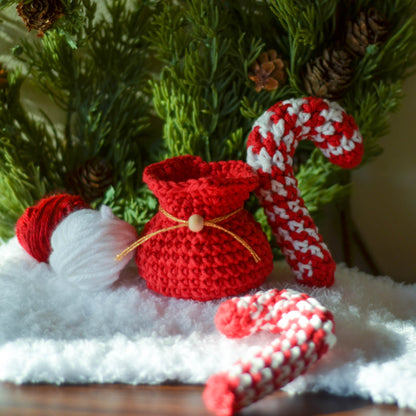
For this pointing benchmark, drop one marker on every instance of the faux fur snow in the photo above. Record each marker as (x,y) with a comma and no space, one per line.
(51,331)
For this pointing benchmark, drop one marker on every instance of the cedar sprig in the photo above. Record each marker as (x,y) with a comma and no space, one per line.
(27,150)
(101,88)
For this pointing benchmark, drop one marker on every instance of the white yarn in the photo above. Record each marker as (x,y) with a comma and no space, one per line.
(261,159)
(55,333)
(84,247)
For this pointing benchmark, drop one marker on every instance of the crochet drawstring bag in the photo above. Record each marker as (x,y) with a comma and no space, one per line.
(202,244)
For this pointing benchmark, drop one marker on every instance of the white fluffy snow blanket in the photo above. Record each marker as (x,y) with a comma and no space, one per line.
(51,331)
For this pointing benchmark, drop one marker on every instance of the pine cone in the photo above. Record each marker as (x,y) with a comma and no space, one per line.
(268,71)
(369,28)
(91,180)
(4,82)
(329,75)
(40,14)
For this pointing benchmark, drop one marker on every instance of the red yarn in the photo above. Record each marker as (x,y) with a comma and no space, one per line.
(271,146)
(219,395)
(35,227)
(209,264)
(305,331)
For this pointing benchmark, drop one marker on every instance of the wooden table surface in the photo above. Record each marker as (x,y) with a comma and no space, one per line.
(169,400)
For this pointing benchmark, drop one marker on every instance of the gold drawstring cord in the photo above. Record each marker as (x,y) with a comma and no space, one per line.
(213,223)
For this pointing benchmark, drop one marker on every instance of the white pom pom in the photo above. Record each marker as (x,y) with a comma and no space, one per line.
(84,247)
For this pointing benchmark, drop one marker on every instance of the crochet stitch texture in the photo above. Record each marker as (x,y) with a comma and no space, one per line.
(270,149)
(306,332)
(35,227)
(209,264)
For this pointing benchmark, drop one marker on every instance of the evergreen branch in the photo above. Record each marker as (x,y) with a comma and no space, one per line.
(318,182)
(199,92)
(135,209)
(308,26)
(391,60)
(21,185)
(371,108)
(7,3)
(76,14)
(31,137)
(187,61)
(254,104)
(99,86)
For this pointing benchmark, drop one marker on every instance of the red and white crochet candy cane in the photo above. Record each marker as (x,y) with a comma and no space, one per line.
(270,149)
(306,331)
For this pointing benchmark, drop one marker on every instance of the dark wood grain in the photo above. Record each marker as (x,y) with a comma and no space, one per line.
(168,400)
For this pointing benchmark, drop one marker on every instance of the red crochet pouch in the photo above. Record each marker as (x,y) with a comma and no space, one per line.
(202,244)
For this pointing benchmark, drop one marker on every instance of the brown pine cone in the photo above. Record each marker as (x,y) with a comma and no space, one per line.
(268,71)
(4,82)
(91,180)
(370,28)
(40,14)
(329,75)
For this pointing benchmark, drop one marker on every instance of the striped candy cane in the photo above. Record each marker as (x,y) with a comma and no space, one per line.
(306,331)
(270,150)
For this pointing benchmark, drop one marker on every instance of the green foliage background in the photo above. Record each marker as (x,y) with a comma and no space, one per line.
(141,80)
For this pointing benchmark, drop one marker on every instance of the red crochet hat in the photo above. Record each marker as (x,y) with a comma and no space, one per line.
(202,244)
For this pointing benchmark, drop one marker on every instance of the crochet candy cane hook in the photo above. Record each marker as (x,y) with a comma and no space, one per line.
(270,149)
(306,331)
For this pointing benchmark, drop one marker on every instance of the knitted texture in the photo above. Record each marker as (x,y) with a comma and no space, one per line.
(270,149)
(306,331)
(211,263)
(35,227)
